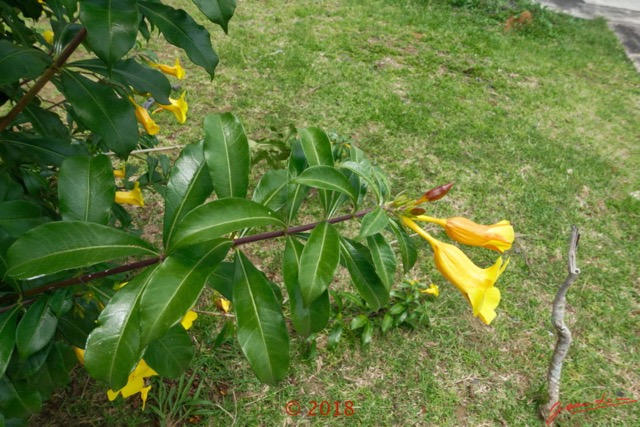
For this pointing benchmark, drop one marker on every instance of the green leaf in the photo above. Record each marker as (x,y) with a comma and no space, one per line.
(101,111)
(176,286)
(46,123)
(407,247)
(8,325)
(18,62)
(327,178)
(36,328)
(19,399)
(221,217)
(272,189)
(357,260)
(358,322)
(22,369)
(222,279)
(318,262)
(218,11)
(316,146)
(367,333)
(22,148)
(387,322)
(76,328)
(317,150)
(112,27)
(19,216)
(63,245)
(374,222)
(113,348)
(334,336)
(226,150)
(296,194)
(188,187)
(171,355)
(306,320)
(384,259)
(262,332)
(129,72)
(86,189)
(364,171)
(182,31)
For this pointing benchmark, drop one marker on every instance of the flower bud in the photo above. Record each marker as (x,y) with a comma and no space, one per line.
(437,193)
(417,211)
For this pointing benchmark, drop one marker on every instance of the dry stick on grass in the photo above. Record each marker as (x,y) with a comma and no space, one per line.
(564,334)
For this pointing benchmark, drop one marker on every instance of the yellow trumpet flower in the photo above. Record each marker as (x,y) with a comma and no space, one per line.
(475,283)
(133,197)
(120,173)
(48,36)
(433,290)
(136,383)
(497,237)
(178,107)
(142,114)
(176,70)
(188,319)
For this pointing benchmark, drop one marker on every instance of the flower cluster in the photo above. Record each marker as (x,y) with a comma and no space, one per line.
(475,283)
(178,107)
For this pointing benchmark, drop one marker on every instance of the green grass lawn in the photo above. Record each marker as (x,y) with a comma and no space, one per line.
(539,126)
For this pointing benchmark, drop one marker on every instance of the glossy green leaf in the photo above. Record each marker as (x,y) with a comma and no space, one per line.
(358,322)
(18,62)
(8,325)
(387,322)
(384,259)
(272,189)
(318,262)
(188,187)
(363,274)
(327,178)
(374,222)
(226,150)
(9,188)
(113,348)
(218,11)
(306,320)
(220,217)
(296,194)
(407,247)
(19,148)
(171,355)
(367,333)
(112,27)
(129,72)
(63,245)
(222,279)
(22,369)
(86,189)
(176,286)
(36,328)
(364,171)
(101,111)
(262,332)
(19,216)
(334,336)
(317,150)
(182,31)
(46,123)
(18,399)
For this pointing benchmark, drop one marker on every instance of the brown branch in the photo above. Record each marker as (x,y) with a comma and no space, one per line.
(151,261)
(44,79)
(564,334)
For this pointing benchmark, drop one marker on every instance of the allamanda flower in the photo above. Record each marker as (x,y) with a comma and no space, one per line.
(136,383)
(497,237)
(475,283)
(178,107)
(176,70)
(432,290)
(133,197)
(142,114)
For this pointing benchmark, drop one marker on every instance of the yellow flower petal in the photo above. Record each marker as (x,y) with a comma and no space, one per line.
(497,237)
(143,117)
(133,197)
(187,320)
(111,395)
(143,394)
(119,286)
(223,304)
(178,107)
(176,70)
(433,290)
(79,354)
(48,36)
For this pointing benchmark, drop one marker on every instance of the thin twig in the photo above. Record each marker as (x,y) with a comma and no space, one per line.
(44,79)
(564,334)
(213,313)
